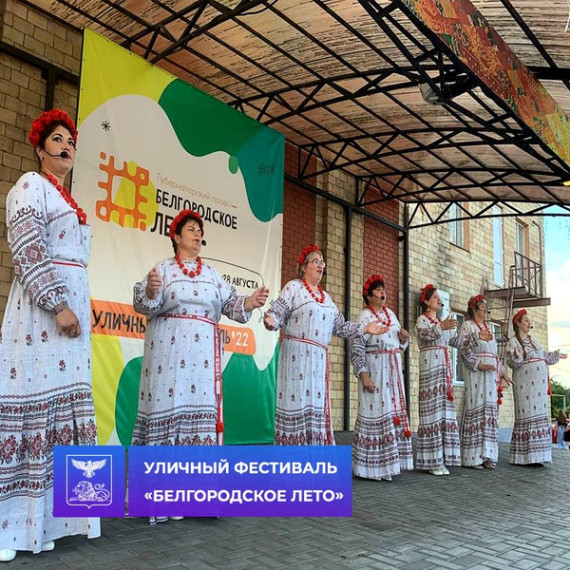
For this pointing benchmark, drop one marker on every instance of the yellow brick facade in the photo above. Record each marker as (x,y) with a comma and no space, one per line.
(461,272)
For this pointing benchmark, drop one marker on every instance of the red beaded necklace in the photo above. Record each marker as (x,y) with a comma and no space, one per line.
(191,273)
(481,327)
(81,215)
(432,321)
(386,322)
(320,298)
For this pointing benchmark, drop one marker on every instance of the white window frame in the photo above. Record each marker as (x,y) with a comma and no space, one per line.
(498,266)
(456,230)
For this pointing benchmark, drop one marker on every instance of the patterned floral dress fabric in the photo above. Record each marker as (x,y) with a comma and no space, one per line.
(438,434)
(479,430)
(303,415)
(178,404)
(45,376)
(531,441)
(380,448)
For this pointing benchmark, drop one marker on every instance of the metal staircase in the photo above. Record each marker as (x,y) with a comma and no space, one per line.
(525,289)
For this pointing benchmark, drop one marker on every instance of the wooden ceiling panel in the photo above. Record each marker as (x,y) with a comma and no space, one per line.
(356,91)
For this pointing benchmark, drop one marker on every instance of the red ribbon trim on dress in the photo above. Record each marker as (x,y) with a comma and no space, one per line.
(327,389)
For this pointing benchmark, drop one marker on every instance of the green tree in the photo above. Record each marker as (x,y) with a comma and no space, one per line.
(559,399)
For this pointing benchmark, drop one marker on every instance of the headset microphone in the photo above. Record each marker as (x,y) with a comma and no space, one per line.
(203,242)
(62,154)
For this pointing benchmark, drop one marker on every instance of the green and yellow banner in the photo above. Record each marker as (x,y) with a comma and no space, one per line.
(151,145)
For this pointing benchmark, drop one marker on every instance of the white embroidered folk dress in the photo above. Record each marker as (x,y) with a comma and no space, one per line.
(45,376)
(180,397)
(479,431)
(303,408)
(531,441)
(438,434)
(380,447)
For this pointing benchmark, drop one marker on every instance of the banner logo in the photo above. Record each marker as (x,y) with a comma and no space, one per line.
(89,481)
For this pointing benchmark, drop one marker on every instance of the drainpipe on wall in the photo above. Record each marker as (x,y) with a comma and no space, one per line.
(347,289)
(406,315)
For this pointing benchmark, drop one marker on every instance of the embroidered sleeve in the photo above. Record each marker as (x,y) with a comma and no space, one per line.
(550,357)
(142,304)
(27,231)
(468,344)
(346,329)
(281,307)
(233,305)
(358,350)
(454,339)
(515,356)
(427,332)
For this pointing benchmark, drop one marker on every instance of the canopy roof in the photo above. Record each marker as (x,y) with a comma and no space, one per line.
(364,86)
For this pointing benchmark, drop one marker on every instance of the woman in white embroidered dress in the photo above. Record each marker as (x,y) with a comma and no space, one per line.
(531,442)
(382,445)
(45,346)
(483,374)
(309,319)
(180,401)
(438,434)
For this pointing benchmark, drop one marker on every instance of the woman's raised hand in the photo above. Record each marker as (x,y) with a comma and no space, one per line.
(448,324)
(375,328)
(153,283)
(257,299)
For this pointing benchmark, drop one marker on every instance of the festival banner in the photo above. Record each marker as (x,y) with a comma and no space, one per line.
(150,145)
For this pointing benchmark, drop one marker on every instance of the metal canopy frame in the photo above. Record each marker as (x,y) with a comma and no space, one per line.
(389,103)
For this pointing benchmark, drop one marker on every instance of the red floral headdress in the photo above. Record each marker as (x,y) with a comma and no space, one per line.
(371,280)
(306,250)
(47,117)
(517,318)
(183,214)
(474,300)
(425,291)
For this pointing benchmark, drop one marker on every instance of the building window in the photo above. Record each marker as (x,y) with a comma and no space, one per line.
(456,229)
(521,238)
(521,247)
(498,269)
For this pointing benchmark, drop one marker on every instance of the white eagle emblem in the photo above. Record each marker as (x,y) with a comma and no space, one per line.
(88,467)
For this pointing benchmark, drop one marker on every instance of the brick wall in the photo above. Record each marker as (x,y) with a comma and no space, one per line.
(22,98)
(299,217)
(381,251)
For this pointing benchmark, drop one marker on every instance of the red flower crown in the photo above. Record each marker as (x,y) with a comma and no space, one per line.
(371,280)
(474,300)
(517,318)
(306,250)
(47,117)
(425,291)
(179,218)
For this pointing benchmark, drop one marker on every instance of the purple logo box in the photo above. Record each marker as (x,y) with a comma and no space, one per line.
(240,481)
(89,481)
